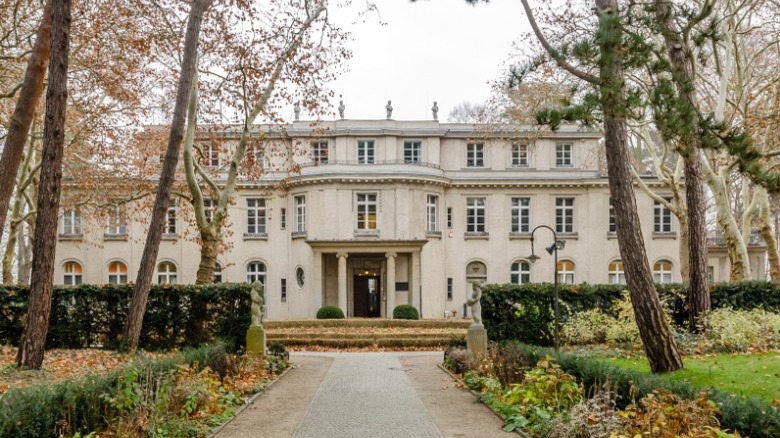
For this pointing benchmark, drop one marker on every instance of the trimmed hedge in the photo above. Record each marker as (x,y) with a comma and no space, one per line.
(748,415)
(524,312)
(330,312)
(405,311)
(94,315)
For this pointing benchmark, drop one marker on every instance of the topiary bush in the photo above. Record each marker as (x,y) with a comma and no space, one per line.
(330,312)
(405,311)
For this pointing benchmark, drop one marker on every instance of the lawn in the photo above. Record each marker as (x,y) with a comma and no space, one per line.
(747,374)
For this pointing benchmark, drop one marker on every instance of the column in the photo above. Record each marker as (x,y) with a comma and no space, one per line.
(414,287)
(390,286)
(342,281)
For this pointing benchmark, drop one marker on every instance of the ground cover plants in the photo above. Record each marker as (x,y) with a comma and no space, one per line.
(180,394)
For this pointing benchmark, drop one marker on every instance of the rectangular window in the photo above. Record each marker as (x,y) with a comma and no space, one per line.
(284,289)
(117,226)
(319,152)
(449,217)
(449,289)
(521,215)
(432,213)
(662,217)
(412,152)
(170,220)
(211,155)
(283,221)
(209,207)
(475,215)
(612,220)
(255,156)
(300,213)
(366,207)
(564,215)
(71,222)
(519,155)
(255,216)
(475,155)
(563,155)
(365,152)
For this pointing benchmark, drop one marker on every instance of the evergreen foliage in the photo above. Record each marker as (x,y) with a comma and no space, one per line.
(405,311)
(330,312)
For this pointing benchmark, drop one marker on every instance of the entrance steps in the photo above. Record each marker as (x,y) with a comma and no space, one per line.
(388,334)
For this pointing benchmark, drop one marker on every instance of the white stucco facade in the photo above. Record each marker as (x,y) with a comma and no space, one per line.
(388,212)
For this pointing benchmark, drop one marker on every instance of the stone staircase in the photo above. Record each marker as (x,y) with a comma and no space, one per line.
(385,334)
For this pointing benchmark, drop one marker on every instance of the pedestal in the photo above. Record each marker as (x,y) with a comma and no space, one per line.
(476,341)
(255,341)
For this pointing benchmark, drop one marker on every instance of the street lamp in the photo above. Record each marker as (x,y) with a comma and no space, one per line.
(552,250)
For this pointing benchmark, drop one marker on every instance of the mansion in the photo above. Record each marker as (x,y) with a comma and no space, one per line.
(384,212)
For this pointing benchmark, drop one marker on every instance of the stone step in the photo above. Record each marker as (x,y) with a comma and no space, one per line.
(311,335)
(440,342)
(463,323)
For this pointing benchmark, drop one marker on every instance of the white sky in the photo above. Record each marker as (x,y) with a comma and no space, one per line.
(443,50)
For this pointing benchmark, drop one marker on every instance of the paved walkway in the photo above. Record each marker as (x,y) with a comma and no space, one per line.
(401,394)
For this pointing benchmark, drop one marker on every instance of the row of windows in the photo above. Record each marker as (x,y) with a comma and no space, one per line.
(167,273)
(520,272)
(366,210)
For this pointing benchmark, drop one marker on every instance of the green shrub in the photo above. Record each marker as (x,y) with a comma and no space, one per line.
(330,312)
(588,327)
(405,311)
(736,330)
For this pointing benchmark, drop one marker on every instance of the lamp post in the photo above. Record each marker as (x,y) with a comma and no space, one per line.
(552,250)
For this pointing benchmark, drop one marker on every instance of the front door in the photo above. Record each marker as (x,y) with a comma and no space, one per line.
(367,297)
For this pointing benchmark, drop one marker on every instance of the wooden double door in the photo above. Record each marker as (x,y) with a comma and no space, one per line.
(367,296)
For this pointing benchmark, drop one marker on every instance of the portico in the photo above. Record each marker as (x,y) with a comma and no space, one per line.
(368,278)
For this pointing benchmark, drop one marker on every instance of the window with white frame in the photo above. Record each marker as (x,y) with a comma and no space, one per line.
(209,207)
(475,215)
(432,213)
(71,223)
(117,225)
(662,219)
(412,152)
(170,220)
(366,209)
(72,272)
(117,273)
(563,152)
(612,221)
(365,152)
(283,289)
(217,274)
(166,273)
(475,155)
(662,271)
(616,274)
(300,213)
(283,220)
(255,216)
(566,272)
(211,155)
(449,217)
(319,151)
(564,215)
(520,215)
(519,155)
(520,272)
(255,271)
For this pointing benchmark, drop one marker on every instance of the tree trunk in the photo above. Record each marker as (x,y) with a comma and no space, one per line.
(146,269)
(685,241)
(654,330)
(735,246)
(36,325)
(209,248)
(768,233)
(699,295)
(29,95)
(25,256)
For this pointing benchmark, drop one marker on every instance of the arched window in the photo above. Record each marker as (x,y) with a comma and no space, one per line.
(520,272)
(117,273)
(255,271)
(616,274)
(476,271)
(566,272)
(217,273)
(662,271)
(166,273)
(72,274)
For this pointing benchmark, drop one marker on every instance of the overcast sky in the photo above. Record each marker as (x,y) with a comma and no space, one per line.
(443,50)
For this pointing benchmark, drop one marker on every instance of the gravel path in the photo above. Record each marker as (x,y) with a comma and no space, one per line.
(399,394)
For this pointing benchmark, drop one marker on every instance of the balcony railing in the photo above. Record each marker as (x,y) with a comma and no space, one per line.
(717,239)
